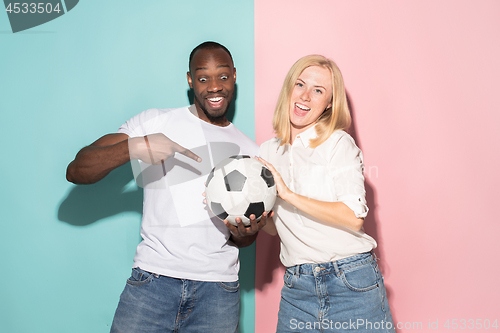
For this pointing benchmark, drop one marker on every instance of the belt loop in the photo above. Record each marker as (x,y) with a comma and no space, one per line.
(374,255)
(336,267)
(297,270)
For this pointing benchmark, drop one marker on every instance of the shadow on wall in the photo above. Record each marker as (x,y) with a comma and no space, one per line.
(117,193)
(268,247)
(268,252)
(372,224)
(86,204)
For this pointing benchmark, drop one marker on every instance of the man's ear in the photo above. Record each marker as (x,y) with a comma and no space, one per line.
(190,79)
(234,70)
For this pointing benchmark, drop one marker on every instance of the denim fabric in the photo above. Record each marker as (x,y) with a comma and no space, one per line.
(154,303)
(343,296)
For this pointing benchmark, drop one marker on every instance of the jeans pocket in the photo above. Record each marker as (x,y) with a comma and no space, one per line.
(230,286)
(139,277)
(288,279)
(361,278)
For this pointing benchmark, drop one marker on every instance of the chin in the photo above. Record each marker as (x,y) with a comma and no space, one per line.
(216,116)
(217,113)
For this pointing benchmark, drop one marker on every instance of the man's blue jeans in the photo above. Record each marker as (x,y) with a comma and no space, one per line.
(343,296)
(154,303)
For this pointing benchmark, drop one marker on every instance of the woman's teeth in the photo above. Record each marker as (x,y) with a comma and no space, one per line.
(302,107)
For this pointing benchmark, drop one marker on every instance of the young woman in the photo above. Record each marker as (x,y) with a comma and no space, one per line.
(332,281)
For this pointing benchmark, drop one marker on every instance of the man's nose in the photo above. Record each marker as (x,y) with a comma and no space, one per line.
(214,86)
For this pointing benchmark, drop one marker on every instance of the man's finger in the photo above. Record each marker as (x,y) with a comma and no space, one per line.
(187,152)
(231,227)
(263,219)
(253,223)
(191,155)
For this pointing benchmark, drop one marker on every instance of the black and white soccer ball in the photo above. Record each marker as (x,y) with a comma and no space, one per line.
(238,187)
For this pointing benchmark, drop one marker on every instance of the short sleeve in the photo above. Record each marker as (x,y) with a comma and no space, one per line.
(141,124)
(346,167)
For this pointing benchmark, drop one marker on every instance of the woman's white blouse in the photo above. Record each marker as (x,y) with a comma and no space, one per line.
(332,172)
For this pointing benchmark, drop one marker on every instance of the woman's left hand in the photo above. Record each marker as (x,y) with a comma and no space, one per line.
(283,190)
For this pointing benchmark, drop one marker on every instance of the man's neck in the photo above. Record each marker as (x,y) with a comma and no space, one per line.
(194,109)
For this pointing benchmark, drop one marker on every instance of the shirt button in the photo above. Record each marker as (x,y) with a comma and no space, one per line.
(317,269)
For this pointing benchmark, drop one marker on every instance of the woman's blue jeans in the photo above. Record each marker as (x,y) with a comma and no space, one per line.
(154,303)
(343,296)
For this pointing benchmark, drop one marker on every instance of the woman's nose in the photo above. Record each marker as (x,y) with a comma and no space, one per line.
(305,95)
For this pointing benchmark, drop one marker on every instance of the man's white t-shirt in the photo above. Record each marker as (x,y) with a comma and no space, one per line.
(181,237)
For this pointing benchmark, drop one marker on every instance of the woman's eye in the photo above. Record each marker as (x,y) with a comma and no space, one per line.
(298,84)
(318,91)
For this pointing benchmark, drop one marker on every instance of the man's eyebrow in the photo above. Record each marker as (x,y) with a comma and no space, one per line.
(205,68)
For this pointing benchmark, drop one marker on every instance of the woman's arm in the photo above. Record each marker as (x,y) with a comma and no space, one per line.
(330,213)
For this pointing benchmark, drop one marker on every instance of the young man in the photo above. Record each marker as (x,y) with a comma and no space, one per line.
(185,272)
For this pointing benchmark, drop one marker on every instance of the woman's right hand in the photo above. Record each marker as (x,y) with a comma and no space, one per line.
(283,191)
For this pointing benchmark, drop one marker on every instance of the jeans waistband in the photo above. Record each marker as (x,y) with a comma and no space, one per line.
(333,266)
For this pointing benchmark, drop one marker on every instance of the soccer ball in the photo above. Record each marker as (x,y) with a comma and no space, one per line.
(238,187)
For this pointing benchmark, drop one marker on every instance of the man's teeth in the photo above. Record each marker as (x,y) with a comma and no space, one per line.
(215,99)
(302,107)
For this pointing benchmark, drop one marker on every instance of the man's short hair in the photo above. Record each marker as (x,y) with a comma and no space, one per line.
(208,45)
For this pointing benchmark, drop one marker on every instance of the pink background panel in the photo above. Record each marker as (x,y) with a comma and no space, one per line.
(423,82)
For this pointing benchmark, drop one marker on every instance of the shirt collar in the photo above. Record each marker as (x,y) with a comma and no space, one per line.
(306,136)
(281,148)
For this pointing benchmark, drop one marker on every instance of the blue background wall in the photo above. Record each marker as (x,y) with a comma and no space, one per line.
(67,250)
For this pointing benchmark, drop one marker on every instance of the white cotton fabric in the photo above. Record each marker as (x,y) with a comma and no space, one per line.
(331,172)
(180,237)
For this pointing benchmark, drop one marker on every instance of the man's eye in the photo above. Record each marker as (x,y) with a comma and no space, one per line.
(202,79)
(224,77)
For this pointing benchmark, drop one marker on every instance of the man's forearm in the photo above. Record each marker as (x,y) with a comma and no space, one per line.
(94,162)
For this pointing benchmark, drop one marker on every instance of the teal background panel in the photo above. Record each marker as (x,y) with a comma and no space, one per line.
(67,250)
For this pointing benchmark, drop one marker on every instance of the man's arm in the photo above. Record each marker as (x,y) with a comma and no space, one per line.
(94,162)
(245,236)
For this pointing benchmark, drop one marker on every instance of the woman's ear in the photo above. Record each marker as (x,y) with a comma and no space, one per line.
(329,105)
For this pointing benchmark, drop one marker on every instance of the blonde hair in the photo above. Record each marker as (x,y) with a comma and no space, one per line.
(334,118)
